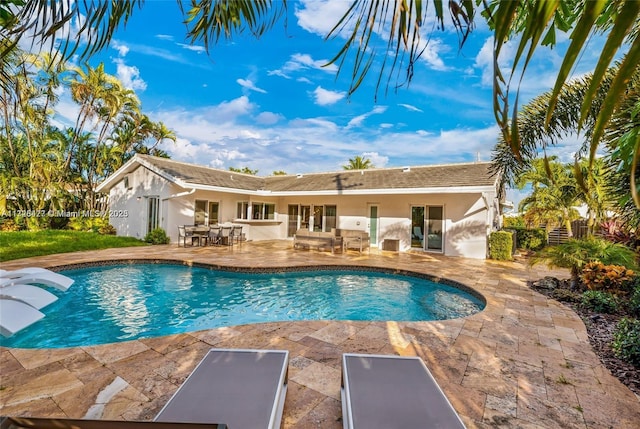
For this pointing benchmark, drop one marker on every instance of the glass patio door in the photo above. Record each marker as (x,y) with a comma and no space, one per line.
(373,225)
(417,227)
(305,216)
(434,228)
(153,213)
(293,220)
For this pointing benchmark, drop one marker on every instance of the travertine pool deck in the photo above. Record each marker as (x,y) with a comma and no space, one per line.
(523,362)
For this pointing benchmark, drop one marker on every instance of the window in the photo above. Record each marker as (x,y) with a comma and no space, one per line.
(243,210)
(200,215)
(258,210)
(324,218)
(214,209)
(153,213)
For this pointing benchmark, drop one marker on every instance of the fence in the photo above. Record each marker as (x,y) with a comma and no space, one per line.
(560,235)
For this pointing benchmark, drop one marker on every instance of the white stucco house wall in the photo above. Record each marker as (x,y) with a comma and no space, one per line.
(449,209)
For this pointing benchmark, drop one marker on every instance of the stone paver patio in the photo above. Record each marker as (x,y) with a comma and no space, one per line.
(524,362)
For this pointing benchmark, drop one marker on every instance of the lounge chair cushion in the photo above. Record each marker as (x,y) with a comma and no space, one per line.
(393,392)
(241,388)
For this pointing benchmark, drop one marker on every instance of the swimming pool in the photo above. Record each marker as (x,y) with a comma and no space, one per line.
(124,302)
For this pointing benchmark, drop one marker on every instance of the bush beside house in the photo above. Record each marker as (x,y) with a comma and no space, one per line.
(501,245)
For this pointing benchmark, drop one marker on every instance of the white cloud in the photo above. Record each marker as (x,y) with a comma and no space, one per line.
(194,48)
(129,76)
(120,47)
(268,118)
(410,107)
(248,84)
(325,97)
(164,37)
(320,16)
(300,62)
(357,121)
(379,161)
(304,80)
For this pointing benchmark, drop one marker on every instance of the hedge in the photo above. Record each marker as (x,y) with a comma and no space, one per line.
(530,238)
(500,245)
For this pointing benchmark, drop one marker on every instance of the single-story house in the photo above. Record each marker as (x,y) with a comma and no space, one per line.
(450,209)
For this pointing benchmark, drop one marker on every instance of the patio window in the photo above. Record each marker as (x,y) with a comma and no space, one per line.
(258,210)
(263,211)
(243,210)
(200,212)
(324,217)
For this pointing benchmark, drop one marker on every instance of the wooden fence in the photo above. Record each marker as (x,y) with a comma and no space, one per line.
(560,235)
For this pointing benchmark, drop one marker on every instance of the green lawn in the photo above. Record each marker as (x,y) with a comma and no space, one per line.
(24,244)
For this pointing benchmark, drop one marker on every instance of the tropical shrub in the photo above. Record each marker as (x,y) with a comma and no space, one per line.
(157,236)
(600,301)
(613,278)
(500,245)
(633,303)
(530,238)
(107,229)
(513,222)
(88,223)
(9,224)
(626,340)
(612,230)
(575,254)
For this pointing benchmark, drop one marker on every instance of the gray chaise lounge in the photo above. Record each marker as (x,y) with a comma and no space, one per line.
(240,388)
(381,391)
(53,423)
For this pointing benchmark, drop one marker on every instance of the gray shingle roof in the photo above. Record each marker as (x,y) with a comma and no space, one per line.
(435,176)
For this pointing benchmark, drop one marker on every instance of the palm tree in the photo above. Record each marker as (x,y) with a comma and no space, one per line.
(594,178)
(554,197)
(358,163)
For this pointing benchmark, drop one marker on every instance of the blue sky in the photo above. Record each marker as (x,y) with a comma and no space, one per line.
(269,104)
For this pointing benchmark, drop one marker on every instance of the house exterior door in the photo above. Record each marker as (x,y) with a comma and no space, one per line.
(293,219)
(373,224)
(153,213)
(435,230)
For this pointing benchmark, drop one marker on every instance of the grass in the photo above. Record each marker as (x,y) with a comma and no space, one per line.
(25,244)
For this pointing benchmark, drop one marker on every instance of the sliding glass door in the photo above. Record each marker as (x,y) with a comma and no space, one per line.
(434,228)
(293,219)
(417,227)
(427,227)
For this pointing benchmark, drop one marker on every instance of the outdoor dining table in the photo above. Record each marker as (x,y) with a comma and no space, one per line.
(201,233)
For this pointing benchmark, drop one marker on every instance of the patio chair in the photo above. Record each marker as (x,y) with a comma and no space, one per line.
(35,275)
(417,233)
(381,391)
(185,234)
(214,235)
(236,233)
(225,235)
(53,423)
(242,388)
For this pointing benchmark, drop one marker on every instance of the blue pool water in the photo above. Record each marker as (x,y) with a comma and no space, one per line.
(124,302)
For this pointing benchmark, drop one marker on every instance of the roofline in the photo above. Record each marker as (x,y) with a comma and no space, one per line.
(115,177)
(388,191)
